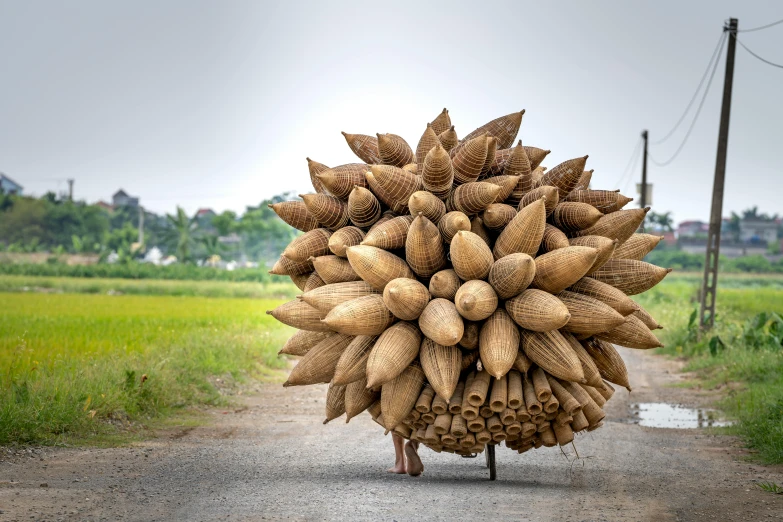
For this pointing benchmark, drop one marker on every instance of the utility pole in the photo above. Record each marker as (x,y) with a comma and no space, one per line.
(70,190)
(141,226)
(710,284)
(643,191)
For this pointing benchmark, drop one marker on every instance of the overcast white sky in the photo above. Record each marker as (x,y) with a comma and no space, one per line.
(217,104)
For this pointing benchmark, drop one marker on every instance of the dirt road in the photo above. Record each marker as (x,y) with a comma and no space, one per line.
(274,460)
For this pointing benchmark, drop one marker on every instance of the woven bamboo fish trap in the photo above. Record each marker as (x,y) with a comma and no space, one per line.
(445,284)
(365,147)
(510,275)
(344,238)
(476,300)
(468,159)
(523,234)
(352,365)
(406,298)
(497,215)
(538,311)
(441,322)
(334,269)
(442,366)
(427,204)
(329,211)
(605,293)
(424,250)
(325,298)
(422,303)
(637,246)
(629,276)
(295,214)
(394,150)
(395,349)
(366,315)
(363,209)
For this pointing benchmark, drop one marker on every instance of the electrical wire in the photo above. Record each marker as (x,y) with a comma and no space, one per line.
(695,94)
(631,161)
(695,117)
(757,56)
(759,28)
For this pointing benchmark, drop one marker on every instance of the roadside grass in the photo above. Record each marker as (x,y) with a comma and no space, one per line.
(743,353)
(77,285)
(91,368)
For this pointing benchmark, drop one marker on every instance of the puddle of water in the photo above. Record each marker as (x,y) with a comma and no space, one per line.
(662,415)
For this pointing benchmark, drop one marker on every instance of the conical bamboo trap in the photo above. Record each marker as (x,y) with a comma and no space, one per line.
(460,292)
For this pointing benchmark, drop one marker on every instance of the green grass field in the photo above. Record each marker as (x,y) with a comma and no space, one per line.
(77,366)
(743,353)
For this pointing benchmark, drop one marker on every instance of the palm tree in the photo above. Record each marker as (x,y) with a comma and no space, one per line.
(212,246)
(181,232)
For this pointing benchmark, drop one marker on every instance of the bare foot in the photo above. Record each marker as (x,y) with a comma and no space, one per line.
(414,465)
(398,468)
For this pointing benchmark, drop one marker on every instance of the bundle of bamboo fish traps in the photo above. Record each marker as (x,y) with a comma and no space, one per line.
(462,293)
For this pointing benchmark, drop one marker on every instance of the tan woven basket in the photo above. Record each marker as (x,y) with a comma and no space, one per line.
(390,235)
(477,389)
(394,150)
(470,339)
(541,386)
(365,315)
(515,399)
(437,172)
(396,207)
(604,200)
(334,269)
(441,122)
(451,223)
(455,403)
(442,423)
(476,300)
(470,255)
(317,366)
(532,405)
(406,298)
(504,128)
(439,404)
(344,238)
(448,138)
(285,266)
(300,280)
(386,216)
(295,214)
(424,402)
(312,282)
(619,225)
(478,228)
(522,363)
(341,180)
(524,232)
(553,239)
(498,215)
(592,375)
(608,361)
(584,181)
(315,168)
(498,398)
(588,315)
(637,246)
(365,147)
(472,197)
(510,275)
(329,211)
(565,176)
(552,353)
(593,393)
(441,322)
(395,349)
(559,269)
(363,209)
(629,276)
(498,343)
(377,266)
(564,434)
(547,191)
(538,311)
(327,297)
(352,365)
(300,315)
(399,395)
(444,284)
(605,293)
(424,250)
(468,159)
(398,184)
(335,402)
(517,164)
(603,245)
(575,216)
(633,333)
(648,320)
(301,342)
(568,402)
(459,427)
(428,140)
(441,365)
(428,205)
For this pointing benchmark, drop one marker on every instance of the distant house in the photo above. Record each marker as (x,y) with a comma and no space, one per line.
(122,199)
(205,213)
(9,186)
(758,231)
(105,206)
(691,229)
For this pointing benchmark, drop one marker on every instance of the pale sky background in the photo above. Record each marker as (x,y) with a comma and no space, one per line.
(217,104)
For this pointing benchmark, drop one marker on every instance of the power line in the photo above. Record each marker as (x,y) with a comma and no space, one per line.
(630,162)
(759,28)
(695,117)
(757,56)
(695,94)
